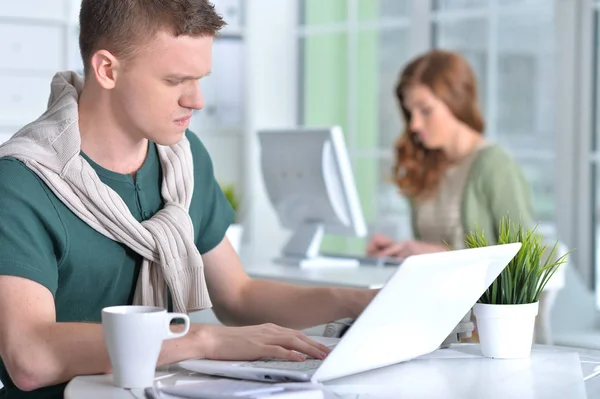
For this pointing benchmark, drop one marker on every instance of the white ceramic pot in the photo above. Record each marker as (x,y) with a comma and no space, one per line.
(234,234)
(505,331)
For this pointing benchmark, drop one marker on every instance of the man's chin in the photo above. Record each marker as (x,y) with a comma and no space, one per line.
(170,140)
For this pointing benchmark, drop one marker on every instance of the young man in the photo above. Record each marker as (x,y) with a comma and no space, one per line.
(107,199)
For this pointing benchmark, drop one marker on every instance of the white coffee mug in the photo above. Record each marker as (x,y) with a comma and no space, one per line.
(134,337)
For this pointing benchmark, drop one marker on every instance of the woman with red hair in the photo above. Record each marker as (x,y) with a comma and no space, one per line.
(455,179)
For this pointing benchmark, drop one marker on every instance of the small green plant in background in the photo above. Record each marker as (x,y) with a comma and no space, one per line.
(524,278)
(232,196)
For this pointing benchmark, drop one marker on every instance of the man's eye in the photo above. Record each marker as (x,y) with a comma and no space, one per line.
(174,82)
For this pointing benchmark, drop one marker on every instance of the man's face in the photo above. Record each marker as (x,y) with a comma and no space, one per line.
(158,88)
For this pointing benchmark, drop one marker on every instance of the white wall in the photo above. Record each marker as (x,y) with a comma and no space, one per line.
(220,124)
(227,154)
(38,39)
(5,134)
(271,101)
(574,316)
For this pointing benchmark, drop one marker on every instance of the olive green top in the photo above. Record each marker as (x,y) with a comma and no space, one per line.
(477,192)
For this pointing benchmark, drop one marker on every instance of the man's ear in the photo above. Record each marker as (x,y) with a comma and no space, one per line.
(105,67)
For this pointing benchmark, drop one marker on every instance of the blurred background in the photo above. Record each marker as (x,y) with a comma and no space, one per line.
(283,63)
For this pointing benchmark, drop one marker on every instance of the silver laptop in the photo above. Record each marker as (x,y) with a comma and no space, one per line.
(411,316)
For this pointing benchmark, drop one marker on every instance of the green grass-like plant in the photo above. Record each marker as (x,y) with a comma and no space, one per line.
(232,196)
(524,278)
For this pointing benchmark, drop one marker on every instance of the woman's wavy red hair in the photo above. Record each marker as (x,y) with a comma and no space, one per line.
(418,170)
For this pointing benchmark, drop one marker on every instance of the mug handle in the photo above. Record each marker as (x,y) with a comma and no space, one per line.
(171,317)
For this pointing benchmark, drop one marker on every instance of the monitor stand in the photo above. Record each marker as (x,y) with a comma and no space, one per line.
(302,250)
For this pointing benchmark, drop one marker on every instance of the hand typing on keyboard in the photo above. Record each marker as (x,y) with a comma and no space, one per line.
(258,342)
(307,365)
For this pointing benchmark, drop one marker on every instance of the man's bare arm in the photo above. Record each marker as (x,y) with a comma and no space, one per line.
(37,351)
(300,307)
(240,300)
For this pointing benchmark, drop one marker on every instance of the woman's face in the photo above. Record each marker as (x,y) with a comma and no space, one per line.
(431,119)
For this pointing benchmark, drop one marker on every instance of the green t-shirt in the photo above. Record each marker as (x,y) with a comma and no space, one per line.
(42,240)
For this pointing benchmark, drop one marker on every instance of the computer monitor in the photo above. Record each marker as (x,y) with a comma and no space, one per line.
(309,181)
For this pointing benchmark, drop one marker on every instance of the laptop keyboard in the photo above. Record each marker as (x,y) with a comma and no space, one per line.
(310,364)
(307,365)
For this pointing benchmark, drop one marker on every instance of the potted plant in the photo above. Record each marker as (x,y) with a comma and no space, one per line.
(235,231)
(505,314)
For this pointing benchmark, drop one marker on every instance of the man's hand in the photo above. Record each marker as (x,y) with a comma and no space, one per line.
(408,248)
(257,342)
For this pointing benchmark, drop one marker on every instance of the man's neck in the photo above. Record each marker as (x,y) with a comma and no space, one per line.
(104,141)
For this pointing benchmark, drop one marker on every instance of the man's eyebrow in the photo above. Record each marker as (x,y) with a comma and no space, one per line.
(177,76)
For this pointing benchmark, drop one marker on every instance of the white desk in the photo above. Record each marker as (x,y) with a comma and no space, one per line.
(366,276)
(550,372)
(359,277)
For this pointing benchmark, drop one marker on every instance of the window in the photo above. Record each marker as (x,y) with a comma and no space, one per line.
(351,54)
(220,124)
(594,158)
(510,45)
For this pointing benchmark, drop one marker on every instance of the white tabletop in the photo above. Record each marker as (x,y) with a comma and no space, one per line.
(458,372)
(364,276)
(356,277)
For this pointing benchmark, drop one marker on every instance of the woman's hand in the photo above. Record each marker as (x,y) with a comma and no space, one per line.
(257,342)
(378,243)
(382,246)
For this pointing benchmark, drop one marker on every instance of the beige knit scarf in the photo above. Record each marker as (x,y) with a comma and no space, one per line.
(51,146)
